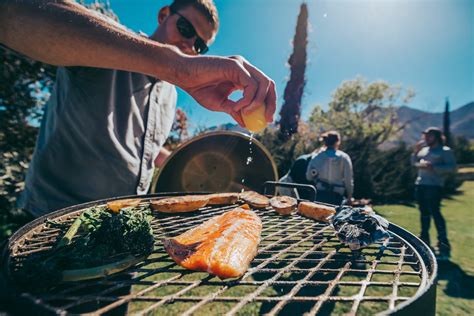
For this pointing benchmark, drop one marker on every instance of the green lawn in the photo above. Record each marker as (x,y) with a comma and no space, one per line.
(455,294)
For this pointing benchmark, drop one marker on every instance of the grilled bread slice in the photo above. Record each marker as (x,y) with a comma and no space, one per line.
(223,198)
(283,205)
(180,204)
(316,211)
(117,205)
(255,199)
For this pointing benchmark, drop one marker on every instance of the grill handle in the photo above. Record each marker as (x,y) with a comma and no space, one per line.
(274,184)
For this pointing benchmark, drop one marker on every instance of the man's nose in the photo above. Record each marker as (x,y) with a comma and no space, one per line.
(187,46)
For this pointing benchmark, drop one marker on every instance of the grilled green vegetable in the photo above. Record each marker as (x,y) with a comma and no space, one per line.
(98,243)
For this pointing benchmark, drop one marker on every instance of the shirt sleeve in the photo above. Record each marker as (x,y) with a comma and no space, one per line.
(448,165)
(348,177)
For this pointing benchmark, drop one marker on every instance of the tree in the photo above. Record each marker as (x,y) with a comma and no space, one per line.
(363,110)
(446,123)
(179,130)
(463,150)
(24,86)
(285,151)
(291,109)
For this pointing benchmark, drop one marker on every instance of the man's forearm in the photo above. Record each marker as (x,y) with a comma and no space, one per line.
(64,33)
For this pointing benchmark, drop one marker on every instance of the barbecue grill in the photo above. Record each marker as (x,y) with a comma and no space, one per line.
(301,267)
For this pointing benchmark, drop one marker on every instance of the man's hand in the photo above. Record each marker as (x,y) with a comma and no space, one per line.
(210,80)
(425,164)
(419,145)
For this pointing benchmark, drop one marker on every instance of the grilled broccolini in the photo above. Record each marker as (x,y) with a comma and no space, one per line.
(99,242)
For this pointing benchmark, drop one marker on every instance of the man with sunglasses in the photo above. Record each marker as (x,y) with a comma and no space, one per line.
(114,99)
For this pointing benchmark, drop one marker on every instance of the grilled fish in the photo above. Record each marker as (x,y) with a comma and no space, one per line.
(224,245)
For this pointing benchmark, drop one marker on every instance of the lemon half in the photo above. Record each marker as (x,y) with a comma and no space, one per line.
(255,121)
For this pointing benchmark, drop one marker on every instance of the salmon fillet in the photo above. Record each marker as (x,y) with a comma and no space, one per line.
(224,245)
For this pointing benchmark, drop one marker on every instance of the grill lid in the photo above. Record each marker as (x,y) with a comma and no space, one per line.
(217,162)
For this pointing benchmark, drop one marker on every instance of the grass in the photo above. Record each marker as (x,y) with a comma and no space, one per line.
(466,170)
(455,293)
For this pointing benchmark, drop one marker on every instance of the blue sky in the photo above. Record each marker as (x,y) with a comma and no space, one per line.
(426,45)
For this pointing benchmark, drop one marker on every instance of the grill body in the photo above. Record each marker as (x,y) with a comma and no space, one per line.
(300,268)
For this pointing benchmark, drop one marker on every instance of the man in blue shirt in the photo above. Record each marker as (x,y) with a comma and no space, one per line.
(433,161)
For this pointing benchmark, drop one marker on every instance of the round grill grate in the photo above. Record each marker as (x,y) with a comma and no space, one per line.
(301,267)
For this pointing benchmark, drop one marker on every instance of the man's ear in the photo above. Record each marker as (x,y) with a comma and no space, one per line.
(163,14)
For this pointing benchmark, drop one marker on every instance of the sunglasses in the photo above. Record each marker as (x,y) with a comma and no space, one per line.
(187,30)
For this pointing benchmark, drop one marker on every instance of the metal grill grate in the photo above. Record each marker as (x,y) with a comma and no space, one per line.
(301,267)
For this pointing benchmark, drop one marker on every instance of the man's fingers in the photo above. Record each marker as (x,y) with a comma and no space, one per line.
(238,118)
(249,92)
(262,89)
(248,95)
(242,78)
(265,94)
(260,96)
(229,107)
(270,102)
(212,85)
(236,115)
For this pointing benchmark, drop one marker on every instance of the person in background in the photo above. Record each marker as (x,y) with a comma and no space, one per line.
(434,161)
(297,174)
(330,170)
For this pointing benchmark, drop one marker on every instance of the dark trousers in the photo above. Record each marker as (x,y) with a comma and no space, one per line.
(329,197)
(429,201)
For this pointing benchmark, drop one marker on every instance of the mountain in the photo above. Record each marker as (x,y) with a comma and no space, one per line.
(462,122)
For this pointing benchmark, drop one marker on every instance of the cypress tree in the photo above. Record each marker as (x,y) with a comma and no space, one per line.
(291,109)
(446,123)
